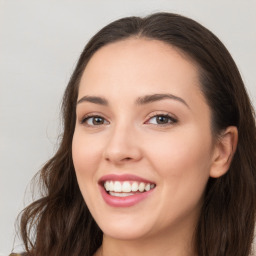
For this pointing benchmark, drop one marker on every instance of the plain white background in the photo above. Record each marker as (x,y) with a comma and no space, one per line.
(40,42)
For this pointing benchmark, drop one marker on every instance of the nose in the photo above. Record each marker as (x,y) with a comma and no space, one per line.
(123,145)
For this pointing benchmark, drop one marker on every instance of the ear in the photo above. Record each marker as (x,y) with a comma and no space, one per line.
(224,151)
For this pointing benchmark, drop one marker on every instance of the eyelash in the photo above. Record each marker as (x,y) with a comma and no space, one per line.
(171,120)
(92,116)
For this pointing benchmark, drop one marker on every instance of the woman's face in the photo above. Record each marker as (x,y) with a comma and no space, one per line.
(142,131)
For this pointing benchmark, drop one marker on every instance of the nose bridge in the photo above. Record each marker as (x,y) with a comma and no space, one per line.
(123,143)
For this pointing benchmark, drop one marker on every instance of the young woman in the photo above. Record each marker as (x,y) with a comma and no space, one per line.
(158,151)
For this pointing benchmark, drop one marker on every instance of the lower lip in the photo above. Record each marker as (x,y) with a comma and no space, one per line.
(124,201)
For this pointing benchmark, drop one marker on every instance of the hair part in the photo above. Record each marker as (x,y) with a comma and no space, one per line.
(62,222)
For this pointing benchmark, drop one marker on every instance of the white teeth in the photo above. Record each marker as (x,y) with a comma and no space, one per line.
(135,186)
(147,187)
(106,185)
(111,186)
(141,186)
(117,186)
(127,186)
(120,194)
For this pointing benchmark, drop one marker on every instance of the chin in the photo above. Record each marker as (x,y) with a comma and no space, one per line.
(124,234)
(125,228)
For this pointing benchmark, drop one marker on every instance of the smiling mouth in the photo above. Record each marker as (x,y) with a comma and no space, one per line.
(126,188)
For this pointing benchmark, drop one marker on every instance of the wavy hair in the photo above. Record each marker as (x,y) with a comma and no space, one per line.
(60,224)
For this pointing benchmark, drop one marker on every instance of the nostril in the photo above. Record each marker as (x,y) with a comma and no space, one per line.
(127,159)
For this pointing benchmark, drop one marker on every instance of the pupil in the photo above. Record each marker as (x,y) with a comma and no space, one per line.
(97,120)
(162,119)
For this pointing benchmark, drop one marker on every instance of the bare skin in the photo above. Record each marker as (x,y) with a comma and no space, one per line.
(166,140)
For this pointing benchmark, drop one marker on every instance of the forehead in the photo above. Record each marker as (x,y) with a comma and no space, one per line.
(139,64)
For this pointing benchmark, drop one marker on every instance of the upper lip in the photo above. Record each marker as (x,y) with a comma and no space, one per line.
(123,177)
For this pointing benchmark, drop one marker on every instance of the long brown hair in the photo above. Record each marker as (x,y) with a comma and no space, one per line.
(60,223)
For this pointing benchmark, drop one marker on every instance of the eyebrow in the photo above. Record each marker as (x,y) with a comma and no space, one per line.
(157,97)
(139,101)
(93,99)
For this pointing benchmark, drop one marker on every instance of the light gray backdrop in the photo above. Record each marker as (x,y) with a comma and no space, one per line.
(40,42)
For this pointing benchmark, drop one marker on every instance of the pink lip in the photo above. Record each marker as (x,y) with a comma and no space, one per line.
(123,201)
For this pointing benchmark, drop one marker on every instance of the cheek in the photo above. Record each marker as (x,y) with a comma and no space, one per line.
(183,161)
(186,146)
(183,165)
(86,153)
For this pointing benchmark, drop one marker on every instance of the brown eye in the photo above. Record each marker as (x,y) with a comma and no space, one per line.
(94,121)
(161,120)
(97,120)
